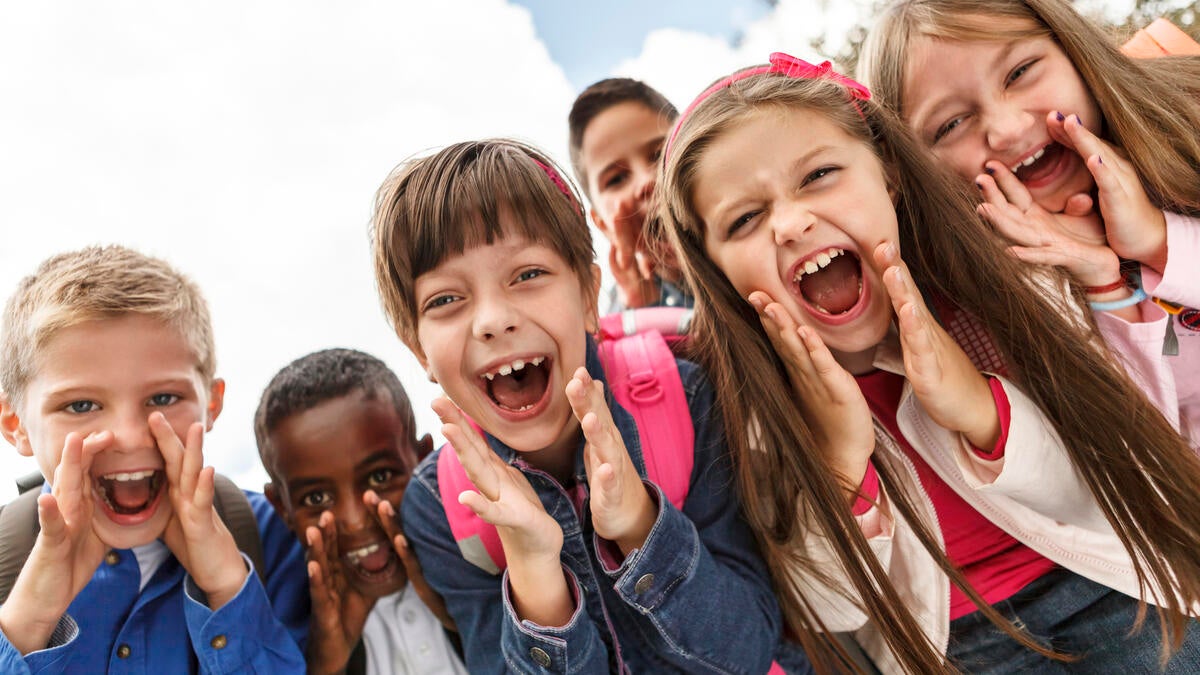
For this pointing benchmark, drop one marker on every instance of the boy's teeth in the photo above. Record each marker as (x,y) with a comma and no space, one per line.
(1028,160)
(518,364)
(362,552)
(818,262)
(136,475)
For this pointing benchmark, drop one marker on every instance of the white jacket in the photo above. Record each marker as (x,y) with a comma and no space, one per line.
(1034,493)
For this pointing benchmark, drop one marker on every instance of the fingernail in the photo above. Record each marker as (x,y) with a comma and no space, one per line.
(1078,121)
(979,185)
(1059,116)
(989,171)
(1099,159)
(770,313)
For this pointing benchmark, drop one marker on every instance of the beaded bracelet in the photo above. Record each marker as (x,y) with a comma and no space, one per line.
(1138,296)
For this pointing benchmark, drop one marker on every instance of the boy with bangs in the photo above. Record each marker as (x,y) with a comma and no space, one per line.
(108,379)
(617,130)
(484,262)
(337,435)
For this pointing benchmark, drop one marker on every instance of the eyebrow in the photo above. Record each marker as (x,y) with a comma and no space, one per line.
(922,114)
(724,207)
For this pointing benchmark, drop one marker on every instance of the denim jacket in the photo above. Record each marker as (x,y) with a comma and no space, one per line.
(695,598)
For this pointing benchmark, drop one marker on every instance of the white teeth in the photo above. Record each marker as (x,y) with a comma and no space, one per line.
(360,553)
(122,477)
(1028,160)
(819,261)
(517,364)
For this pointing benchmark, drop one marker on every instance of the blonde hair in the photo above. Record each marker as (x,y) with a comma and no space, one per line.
(98,282)
(1139,469)
(1151,107)
(434,207)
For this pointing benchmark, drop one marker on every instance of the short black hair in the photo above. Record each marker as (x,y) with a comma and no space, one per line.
(601,96)
(321,376)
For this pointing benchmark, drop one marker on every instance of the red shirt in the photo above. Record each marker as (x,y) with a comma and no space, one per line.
(995,564)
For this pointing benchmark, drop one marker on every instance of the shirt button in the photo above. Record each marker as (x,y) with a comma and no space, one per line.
(112,557)
(124,651)
(671,301)
(219,642)
(540,657)
(644,583)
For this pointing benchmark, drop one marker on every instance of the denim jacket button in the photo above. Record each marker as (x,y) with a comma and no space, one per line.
(540,657)
(644,583)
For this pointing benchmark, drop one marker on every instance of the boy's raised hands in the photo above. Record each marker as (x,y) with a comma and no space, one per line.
(66,552)
(622,510)
(195,534)
(339,611)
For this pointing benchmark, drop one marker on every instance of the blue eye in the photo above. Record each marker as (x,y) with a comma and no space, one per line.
(1019,71)
(159,400)
(440,301)
(81,407)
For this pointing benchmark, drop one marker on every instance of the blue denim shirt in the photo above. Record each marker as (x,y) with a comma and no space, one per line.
(167,630)
(669,295)
(695,598)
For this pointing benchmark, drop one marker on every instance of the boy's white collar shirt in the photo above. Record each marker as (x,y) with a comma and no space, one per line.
(402,636)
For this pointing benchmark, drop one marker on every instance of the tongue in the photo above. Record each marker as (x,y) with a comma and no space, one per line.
(377,560)
(1042,166)
(521,388)
(129,494)
(835,288)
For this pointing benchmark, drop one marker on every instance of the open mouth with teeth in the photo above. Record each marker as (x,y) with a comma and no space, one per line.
(130,496)
(374,563)
(519,385)
(1039,166)
(830,283)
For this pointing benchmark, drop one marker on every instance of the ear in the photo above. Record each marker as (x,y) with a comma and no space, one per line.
(591,302)
(11,427)
(281,509)
(216,402)
(424,447)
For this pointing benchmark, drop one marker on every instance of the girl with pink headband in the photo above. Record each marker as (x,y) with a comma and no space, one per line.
(923,435)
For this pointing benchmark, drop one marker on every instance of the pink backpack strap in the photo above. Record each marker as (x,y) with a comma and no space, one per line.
(644,378)
(477,539)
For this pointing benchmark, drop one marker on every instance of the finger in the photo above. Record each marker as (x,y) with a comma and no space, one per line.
(1013,226)
(824,364)
(1079,206)
(645,264)
(1083,140)
(1014,191)
(475,458)
(324,600)
(169,447)
(896,279)
(1055,120)
(487,509)
(53,523)
(605,487)
(193,460)
(202,495)
(1048,256)
(920,360)
(1111,189)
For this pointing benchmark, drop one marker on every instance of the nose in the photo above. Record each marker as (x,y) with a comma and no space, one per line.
(790,221)
(350,512)
(646,178)
(1008,126)
(131,431)
(494,316)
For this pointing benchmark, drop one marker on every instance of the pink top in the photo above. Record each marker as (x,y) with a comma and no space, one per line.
(995,563)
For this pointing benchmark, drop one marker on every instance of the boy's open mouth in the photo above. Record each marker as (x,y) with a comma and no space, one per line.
(519,385)
(130,493)
(373,562)
(830,282)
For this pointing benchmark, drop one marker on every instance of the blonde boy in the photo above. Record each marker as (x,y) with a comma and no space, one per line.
(107,369)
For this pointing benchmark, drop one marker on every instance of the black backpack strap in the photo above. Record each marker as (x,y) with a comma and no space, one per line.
(18,531)
(235,511)
(357,665)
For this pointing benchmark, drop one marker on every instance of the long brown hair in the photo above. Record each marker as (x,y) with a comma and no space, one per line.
(1142,473)
(1151,107)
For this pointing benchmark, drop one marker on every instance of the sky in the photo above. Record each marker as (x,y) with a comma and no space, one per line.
(243,142)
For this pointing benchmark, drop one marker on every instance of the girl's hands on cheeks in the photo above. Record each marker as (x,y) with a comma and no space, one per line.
(195,534)
(826,393)
(66,552)
(1134,227)
(949,387)
(532,540)
(1073,240)
(622,510)
(339,612)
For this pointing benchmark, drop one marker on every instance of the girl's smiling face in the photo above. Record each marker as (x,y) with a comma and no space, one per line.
(794,206)
(975,101)
(502,327)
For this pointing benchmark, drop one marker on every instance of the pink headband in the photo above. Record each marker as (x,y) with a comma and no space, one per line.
(557,179)
(786,65)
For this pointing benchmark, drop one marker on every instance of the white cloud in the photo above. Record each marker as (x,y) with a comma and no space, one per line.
(243,142)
